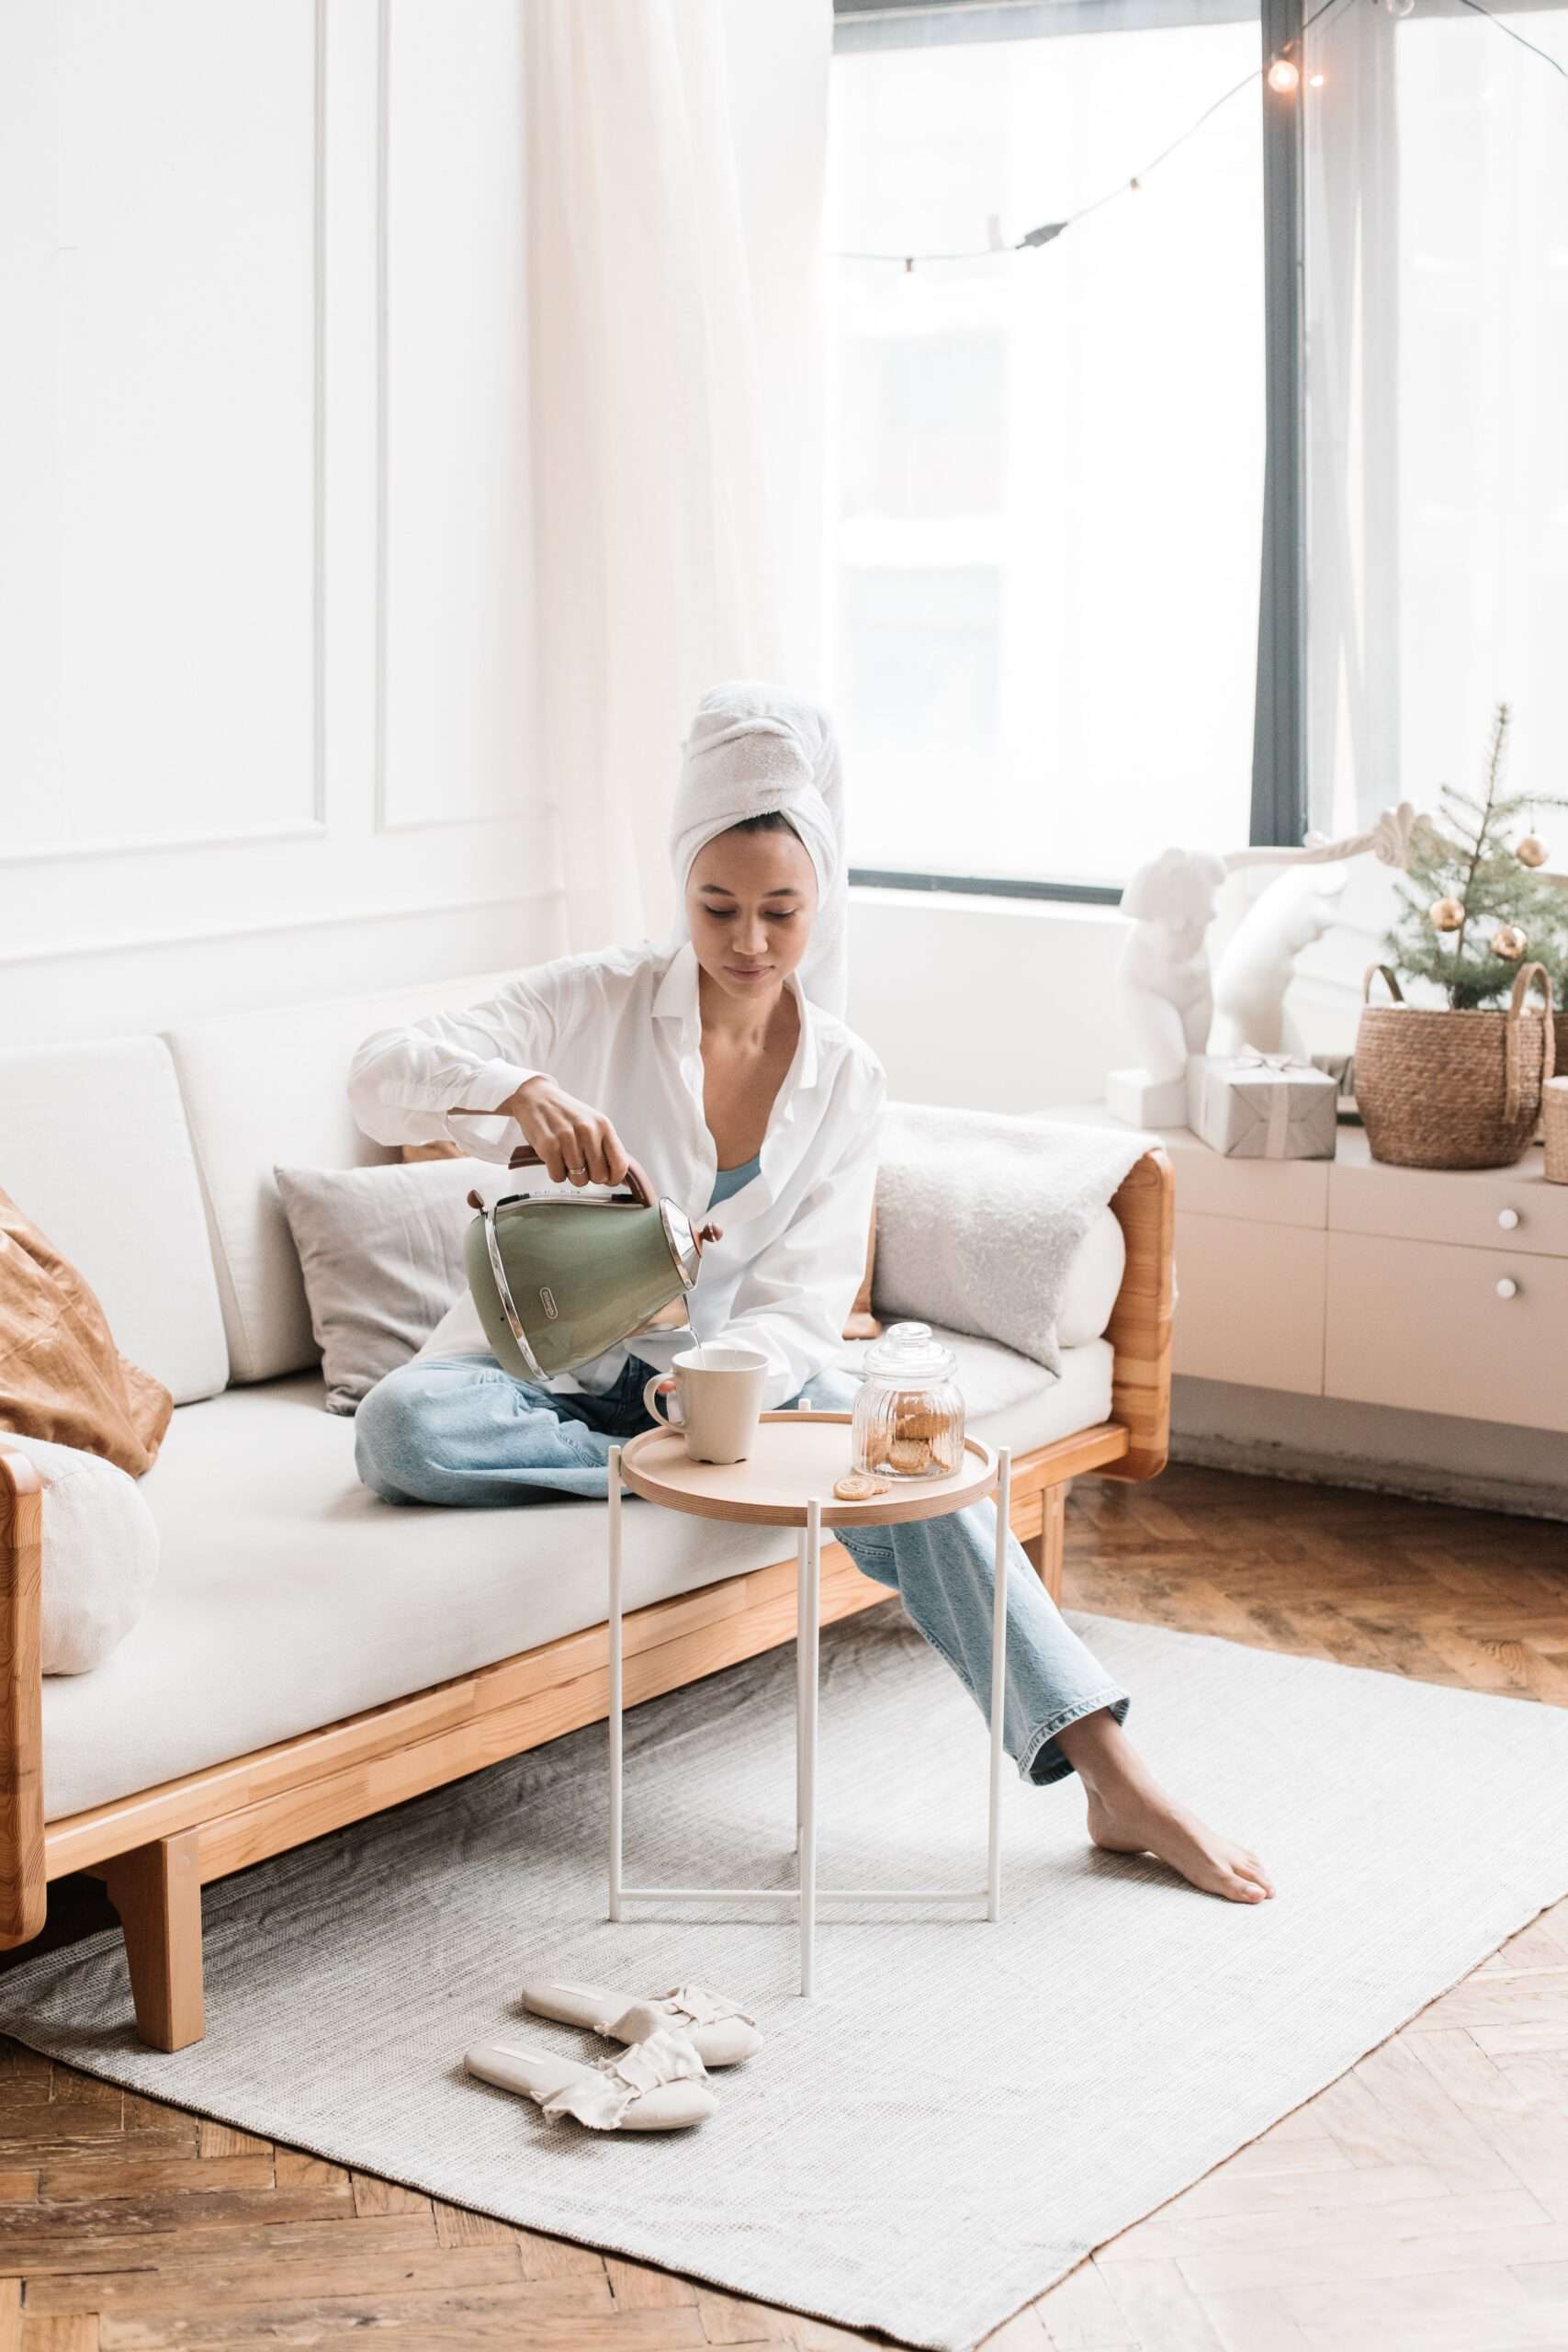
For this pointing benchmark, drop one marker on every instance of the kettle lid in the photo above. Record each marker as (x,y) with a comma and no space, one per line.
(684,1239)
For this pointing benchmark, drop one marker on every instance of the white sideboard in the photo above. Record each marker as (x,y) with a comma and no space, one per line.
(1438,1290)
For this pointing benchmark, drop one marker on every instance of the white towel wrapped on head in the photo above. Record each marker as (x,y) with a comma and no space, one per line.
(755,749)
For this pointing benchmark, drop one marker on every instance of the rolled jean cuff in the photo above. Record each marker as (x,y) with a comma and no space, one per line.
(1042,1761)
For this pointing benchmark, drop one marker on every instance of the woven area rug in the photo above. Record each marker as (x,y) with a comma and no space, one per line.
(965,2109)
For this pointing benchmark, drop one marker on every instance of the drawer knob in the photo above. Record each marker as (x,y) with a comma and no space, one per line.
(1507,1287)
(1507,1220)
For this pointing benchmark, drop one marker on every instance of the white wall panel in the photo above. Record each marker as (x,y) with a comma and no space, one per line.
(158,984)
(263,578)
(456,563)
(179,320)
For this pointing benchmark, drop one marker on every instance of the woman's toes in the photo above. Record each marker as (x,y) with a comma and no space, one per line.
(1206,1861)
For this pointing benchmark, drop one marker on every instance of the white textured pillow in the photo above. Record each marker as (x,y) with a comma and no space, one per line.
(1094,1278)
(100,1554)
(381,1250)
(982,1223)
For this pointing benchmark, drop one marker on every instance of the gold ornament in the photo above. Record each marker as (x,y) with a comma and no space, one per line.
(1446,914)
(1510,941)
(1531,852)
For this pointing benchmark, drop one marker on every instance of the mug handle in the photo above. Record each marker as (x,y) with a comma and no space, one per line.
(651,1403)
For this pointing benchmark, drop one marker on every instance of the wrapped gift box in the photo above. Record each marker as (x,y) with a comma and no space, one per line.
(1262,1106)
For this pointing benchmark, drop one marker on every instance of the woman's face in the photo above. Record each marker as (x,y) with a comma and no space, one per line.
(750,901)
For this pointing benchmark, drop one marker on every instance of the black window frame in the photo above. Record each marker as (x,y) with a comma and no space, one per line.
(1279,805)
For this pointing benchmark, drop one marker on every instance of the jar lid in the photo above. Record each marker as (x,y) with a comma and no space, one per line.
(908,1356)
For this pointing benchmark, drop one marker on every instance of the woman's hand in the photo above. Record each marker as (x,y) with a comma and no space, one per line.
(577,1145)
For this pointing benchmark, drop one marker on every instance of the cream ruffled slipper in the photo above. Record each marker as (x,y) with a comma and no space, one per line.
(722,2034)
(658,2083)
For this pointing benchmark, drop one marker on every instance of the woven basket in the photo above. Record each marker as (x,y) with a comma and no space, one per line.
(1452,1089)
(1554,1113)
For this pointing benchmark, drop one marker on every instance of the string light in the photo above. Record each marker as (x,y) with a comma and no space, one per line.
(1049,231)
(1281,73)
(1514,34)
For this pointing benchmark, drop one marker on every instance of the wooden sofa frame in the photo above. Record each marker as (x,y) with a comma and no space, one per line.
(156,1849)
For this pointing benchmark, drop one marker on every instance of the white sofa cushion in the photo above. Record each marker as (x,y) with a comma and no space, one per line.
(265,1087)
(290,1597)
(95,1148)
(100,1553)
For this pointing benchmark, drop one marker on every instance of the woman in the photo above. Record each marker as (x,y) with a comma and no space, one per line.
(721,1062)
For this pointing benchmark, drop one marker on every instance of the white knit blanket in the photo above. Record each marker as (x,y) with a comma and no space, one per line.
(978,1216)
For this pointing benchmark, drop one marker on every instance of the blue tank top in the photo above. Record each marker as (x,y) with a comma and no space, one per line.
(730,1180)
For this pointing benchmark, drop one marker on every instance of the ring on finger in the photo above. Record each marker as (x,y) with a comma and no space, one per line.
(579,1171)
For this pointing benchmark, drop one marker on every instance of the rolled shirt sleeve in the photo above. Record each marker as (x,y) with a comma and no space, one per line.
(404,1083)
(794,1298)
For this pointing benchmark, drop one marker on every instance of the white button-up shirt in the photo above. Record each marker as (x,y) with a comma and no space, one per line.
(622,1030)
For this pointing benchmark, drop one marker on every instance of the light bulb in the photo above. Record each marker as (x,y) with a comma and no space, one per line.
(1399,7)
(1283,74)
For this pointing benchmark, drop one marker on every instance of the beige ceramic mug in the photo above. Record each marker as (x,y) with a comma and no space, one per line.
(718,1395)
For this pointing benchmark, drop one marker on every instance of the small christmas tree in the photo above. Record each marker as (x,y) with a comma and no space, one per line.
(1476,906)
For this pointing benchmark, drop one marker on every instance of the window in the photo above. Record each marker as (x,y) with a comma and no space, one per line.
(1046,493)
(1438,318)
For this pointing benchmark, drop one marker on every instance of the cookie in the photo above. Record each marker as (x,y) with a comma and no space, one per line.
(909,1455)
(858,1486)
(921,1420)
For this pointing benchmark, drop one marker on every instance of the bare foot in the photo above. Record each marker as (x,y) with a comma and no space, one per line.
(1144,1821)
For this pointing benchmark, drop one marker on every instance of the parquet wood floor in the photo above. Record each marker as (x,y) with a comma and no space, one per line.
(1419,2205)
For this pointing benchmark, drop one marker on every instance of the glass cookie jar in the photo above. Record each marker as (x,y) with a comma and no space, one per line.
(909,1416)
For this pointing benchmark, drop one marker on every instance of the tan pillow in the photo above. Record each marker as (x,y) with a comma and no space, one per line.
(62,1376)
(861,1325)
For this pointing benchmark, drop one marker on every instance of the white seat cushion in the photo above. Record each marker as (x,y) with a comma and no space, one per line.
(94,1148)
(290,1597)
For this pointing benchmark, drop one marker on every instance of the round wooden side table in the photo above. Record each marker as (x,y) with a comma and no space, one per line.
(787,1481)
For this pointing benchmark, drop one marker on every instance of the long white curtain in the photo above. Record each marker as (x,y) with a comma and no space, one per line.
(664,272)
(1437,387)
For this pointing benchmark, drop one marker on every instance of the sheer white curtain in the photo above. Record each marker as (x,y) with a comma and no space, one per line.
(1437,386)
(662,271)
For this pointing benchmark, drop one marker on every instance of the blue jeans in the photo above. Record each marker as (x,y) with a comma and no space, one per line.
(460,1429)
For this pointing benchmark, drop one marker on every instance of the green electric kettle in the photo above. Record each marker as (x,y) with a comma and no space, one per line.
(557,1281)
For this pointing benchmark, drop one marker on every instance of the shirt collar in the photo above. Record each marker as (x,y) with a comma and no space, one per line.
(675,999)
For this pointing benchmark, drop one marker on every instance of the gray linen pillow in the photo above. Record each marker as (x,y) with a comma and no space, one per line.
(381,1251)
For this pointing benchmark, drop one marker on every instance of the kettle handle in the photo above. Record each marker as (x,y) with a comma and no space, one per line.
(638,1189)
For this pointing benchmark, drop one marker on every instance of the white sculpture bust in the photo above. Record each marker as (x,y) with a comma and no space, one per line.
(1256,969)
(1162,983)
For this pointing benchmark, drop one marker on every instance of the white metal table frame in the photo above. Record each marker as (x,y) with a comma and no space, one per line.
(805,1893)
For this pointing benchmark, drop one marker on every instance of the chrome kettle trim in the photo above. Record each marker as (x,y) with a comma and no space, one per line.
(681,1241)
(514,1321)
